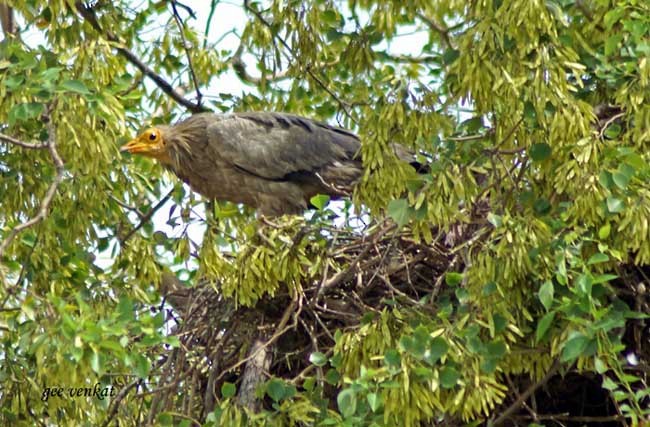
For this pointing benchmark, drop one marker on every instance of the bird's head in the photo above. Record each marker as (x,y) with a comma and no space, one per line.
(150,143)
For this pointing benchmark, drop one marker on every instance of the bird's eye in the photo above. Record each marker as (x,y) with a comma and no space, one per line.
(152,136)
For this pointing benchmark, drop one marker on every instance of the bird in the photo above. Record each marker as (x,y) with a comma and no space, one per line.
(273,162)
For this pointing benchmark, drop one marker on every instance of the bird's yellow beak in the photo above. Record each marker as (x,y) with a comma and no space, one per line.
(135,146)
(148,143)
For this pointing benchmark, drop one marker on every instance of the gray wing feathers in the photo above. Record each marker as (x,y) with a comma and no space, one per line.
(273,145)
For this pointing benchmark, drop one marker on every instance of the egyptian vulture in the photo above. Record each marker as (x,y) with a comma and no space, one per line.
(274,162)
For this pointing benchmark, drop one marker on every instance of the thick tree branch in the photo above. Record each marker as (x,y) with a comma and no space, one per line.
(89,15)
(51,191)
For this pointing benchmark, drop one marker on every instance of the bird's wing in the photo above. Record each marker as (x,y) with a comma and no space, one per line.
(275,145)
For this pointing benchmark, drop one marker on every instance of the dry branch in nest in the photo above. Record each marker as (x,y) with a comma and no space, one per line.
(245,345)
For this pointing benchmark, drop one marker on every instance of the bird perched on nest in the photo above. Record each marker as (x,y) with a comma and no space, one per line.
(274,162)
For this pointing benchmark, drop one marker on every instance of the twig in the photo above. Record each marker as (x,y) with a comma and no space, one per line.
(49,195)
(181,30)
(444,32)
(146,217)
(28,145)
(89,15)
(115,404)
(213,6)
(525,395)
(239,67)
(344,105)
(280,330)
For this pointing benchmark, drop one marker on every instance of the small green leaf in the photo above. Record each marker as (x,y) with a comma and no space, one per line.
(543,325)
(602,278)
(398,210)
(597,258)
(142,365)
(374,401)
(319,201)
(347,402)
(615,205)
(584,284)
(95,362)
(75,86)
(453,278)
(540,151)
(276,389)
(437,348)
(450,55)
(620,180)
(545,294)
(318,358)
(495,220)
(332,377)
(449,377)
(228,390)
(613,131)
(392,358)
(574,348)
(604,231)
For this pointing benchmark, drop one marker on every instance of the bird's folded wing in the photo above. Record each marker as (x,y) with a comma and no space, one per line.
(275,145)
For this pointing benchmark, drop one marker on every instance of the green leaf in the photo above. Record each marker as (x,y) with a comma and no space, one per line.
(598,258)
(604,231)
(540,151)
(495,220)
(75,86)
(613,131)
(545,294)
(228,390)
(449,377)
(142,365)
(347,402)
(453,278)
(332,377)
(318,358)
(319,201)
(621,180)
(276,389)
(574,348)
(584,284)
(450,56)
(496,349)
(392,358)
(95,362)
(374,401)
(543,325)
(602,278)
(615,205)
(398,210)
(437,348)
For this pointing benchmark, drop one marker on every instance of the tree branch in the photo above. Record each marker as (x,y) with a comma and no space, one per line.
(51,191)
(89,15)
(146,217)
(443,31)
(181,28)
(28,145)
(525,395)
(239,67)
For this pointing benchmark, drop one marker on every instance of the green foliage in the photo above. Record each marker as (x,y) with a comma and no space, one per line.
(533,118)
